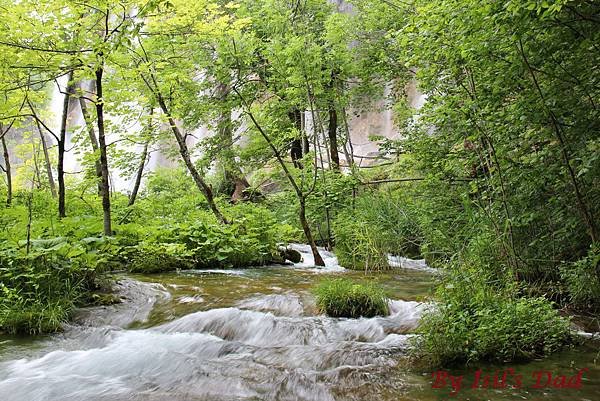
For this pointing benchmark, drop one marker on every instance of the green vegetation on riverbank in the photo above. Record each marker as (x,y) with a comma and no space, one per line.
(42,281)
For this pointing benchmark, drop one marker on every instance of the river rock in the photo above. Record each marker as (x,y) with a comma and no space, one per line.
(291,254)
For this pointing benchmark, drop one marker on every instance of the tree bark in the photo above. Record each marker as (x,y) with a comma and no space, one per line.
(51,182)
(297,148)
(36,166)
(103,156)
(308,234)
(139,175)
(7,171)
(586,213)
(332,133)
(233,173)
(185,155)
(93,140)
(349,150)
(333,125)
(60,167)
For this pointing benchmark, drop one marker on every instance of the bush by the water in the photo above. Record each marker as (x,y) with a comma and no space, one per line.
(477,321)
(344,298)
(582,279)
(160,257)
(40,289)
(377,226)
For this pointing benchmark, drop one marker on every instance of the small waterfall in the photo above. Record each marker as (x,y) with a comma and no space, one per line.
(308,260)
(406,263)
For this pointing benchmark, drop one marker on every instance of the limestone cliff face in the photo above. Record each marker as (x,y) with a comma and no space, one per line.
(379,121)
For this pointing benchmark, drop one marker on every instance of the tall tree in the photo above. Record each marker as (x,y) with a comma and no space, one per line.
(47,162)
(6,168)
(62,139)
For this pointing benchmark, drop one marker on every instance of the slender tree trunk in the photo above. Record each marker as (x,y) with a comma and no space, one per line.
(93,140)
(51,183)
(305,141)
(299,194)
(103,155)
(7,170)
(29,220)
(308,234)
(350,150)
(332,133)
(586,213)
(60,167)
(36,166)
(296,150)
(185,155)
(233,173)
(139,175)
(334,157)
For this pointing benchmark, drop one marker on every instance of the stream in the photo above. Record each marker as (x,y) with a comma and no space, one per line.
(254,335)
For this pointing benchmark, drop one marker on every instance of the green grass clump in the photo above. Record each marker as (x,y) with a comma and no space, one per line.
(344,298)
(35,317)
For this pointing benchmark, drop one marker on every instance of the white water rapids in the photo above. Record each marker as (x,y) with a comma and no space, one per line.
(237,353)
(262,346)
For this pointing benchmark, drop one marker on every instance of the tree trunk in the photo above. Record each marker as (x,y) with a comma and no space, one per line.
(47,160)
(233,173)
(93,140)
(307,232)
(139,175)
(332,133)
(7,170)
(37,176)
(103,156)
(348,147)
(305,141)
(586,213)
(60,167)
(333,125)
(185,155)
(296,150)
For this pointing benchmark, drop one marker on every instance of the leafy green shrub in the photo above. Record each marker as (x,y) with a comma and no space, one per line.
(160,257)
(476,321)
(582,279)
(40,289)
(251,239)
(344,298)
(358,245)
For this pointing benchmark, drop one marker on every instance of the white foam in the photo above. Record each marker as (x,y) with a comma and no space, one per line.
(196,299)
(308,260)
(406,263)
(278,304)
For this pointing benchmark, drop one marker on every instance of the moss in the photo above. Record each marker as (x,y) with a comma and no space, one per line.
(103,299)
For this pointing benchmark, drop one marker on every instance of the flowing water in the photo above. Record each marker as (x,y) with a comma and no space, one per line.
(251,335)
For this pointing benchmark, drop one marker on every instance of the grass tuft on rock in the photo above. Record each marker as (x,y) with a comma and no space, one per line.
(345,298)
